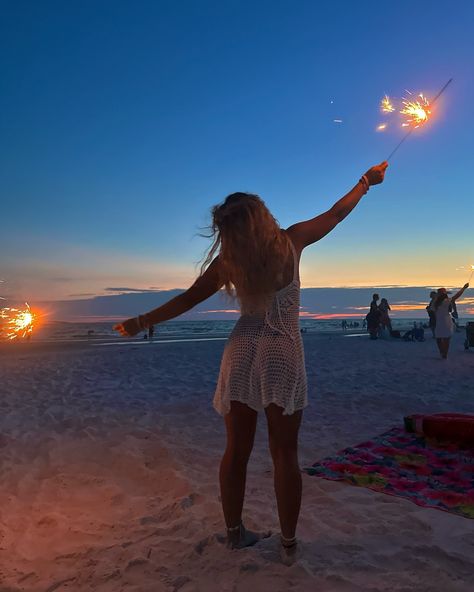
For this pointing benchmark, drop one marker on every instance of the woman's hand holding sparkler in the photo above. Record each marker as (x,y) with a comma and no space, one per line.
(131,327)
(376,174)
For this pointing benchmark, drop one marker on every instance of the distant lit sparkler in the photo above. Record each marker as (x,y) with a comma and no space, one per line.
(15,323)
(386,105)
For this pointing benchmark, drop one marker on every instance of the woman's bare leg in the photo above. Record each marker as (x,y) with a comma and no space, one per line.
(241,423)
(283,440)
(446,347)
(439,343)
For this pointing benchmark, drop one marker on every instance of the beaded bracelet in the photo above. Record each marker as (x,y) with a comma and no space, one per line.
(141,322)
(365,182)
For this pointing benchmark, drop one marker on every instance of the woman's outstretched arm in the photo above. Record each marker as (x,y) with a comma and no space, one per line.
(308,232)
(205,286)
(460,293)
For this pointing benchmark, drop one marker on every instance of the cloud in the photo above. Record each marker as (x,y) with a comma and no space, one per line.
(137,290)
(316,303)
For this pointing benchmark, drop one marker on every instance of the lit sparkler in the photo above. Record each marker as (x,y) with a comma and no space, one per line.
(15,323)
(416,112)
(386,105)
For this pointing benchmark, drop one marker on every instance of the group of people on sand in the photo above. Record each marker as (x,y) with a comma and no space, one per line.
(378,319)
(443,317)
(349,325)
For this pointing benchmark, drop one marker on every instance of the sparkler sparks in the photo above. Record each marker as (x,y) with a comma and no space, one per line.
(15,323)
(416,112)
(386,105)
(381,127)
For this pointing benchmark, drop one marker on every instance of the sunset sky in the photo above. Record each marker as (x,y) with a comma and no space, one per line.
(122,123)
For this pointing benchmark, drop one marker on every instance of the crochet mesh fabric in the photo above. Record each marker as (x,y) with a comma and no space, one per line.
(263,359)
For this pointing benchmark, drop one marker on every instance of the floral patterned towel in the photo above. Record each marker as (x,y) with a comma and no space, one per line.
(399,463)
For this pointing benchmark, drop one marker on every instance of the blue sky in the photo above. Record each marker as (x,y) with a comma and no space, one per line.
(122,123)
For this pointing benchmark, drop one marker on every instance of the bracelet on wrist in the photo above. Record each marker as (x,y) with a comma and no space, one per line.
(365,182)
(141,322)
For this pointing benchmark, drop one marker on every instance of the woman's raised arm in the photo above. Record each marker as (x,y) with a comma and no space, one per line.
(310,231)
(205,286)
(460,293)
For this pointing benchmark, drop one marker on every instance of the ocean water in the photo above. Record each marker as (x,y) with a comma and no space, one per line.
(63,331)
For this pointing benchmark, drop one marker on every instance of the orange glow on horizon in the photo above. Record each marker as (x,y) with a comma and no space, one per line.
(328,316)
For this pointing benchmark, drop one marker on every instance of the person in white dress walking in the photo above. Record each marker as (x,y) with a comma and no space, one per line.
(444,323)
(262,366)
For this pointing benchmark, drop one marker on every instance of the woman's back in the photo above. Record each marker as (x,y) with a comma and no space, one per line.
(263,360)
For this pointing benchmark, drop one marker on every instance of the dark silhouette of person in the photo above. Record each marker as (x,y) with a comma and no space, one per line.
(384,307)
(151,332)
(430,309)
(373,317)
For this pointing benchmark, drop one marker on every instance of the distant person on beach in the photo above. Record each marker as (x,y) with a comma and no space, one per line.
(151,332)
(419,332)
(455,315)
(385,321)
(373,317)
(430,309)
(262,366)
(444,321)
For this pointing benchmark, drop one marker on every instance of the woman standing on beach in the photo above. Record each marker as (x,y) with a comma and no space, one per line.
(430,309)
(385,321)
(373,317)
(444,322)
(262,366)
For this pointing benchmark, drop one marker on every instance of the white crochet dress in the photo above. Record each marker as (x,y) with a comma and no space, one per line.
(263,360)
(444,322)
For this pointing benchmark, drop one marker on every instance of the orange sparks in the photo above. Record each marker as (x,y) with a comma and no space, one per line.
(416,112)
(381,127)
(386,105)
(15,323)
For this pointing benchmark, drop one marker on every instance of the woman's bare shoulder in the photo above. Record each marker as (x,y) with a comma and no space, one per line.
(295,240)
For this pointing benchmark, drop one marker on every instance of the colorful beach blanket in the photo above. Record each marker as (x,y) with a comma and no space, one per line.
(399,463)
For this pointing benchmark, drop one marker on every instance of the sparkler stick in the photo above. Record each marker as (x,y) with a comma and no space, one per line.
(412,128)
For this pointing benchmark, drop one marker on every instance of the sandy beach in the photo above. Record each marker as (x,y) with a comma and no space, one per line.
(109,459)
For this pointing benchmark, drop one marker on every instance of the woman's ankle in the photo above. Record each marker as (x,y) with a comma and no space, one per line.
(288,543)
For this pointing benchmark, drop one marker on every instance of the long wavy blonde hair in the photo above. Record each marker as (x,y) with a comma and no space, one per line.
(253,250)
